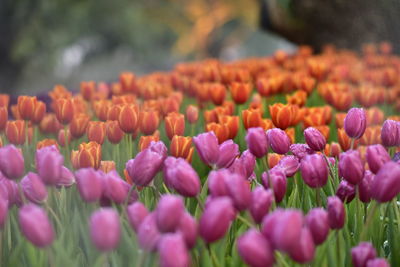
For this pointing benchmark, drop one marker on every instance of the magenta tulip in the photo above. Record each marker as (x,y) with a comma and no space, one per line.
(136,213)
(318,223)
(336,212)
(346,191)
(364,187)
(301,150)
(255,250)
(115,189)
(275,179)
(67,178)
(228,151)
(314,139)
(261,201)
(257,143)
(188,228)
(207,146)
(105,229)
(376,156)
(314,170)
(290,165)
(33,188)
(351,167)
(3,211)
(49,163)
(378,262)
(390,133)
(148,234)
(362,253)
(239,191)
(173,251)
(355,122)
(304,249)
(11,162)
(90,184)
(386,184)
(170,209)
(278,140)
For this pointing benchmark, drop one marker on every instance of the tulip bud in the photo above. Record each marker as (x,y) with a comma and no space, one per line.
(216,219)
(147,163)
(290,165)
(96,131)
(67,178)
(3,211)
(90,184)
(170,209)
(50,124)
(304,248)
(173,251)
(336,212)
(376,156)
(240,92)
(228,151)
(278,140)
(148,234)
(174,124)
(114,188)
(257,142)
(64,110)
(192,114)
(301,150)
(390,133)
(244,165)
(48,164)
(207,146)
(276,180)
(9,190)
(180,175)
(314,170)
(128,118)
(362,253)
(239,191)
(346,191)
(377,262)
(355,123)
(16,132)
(11,162)
(114,132)
(351,166)
(217,182)
(317,222)
(332,149)
(105,229)
(188,228)
(33,188)
(386,184)
(136,214)
(255,249)
(261,201)
(282,228)
(35,225)
(364,187)
(314,139)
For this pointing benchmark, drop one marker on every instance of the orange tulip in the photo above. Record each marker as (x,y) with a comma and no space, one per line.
(61,137)
(4,100)
(96,131)
(317,68)
(341,100)
(267,124)
(169,104)
(371,136)
(26,106)
(39,112)
(144,141)
(273,159)
(128,82)
(128,118)
(298,98)
(394,117)
(1,141)
(345,141)
(192,114)
(240,92)
(78,125)
(174,124)
(15,132)
(114,111)
(217,92)
(375,116)
(181,147)
(88,155)
(59,91)
(339,119)
(269,86)
(107,165)
(202,91)
(281,115)
(123,99)
(367,96)
(88,89)
(229,106)
(50,124)
(252,118)
(220,130)
(332,149)
(3,117)
(64,110)
(291,133)
(297,115)
(114,132)
(232,122)
(15,112)
(101,108)
(325,130)
(46,142)
(149,121)
(304,83)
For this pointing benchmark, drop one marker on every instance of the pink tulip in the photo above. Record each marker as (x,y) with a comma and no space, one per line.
(105,229)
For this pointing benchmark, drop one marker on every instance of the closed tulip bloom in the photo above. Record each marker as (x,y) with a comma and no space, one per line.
(257,141)
(136,214)
(149,121)
(105,229)
(282,228)
(217,182)
(301,150)
(49,162)
(240,92)
(386,184)
(276,180)
(282,115)
(362,253)
(15,132)
(346,191)
(314,139)
(181,147)
(180,175)
(64,110)
(216,219)
(188,228)
(207,146)
(170,209)
(26,106)
(174,124)
(351,166)
(88,155)
(304,250)
(148,234)
(355,122)
(314,170)
(228,151)
(278,140)
(173,251)
(390,133)
(10,191)
(336,212)
(318,224)
(96,131)
(255,249)
(261,201)
(377,262)
(46,142)
(239,191)
(114,132)
(35,225)
(11,162)
(3,117)
(364,187)
(376,156)
(115,189)
(90,184)
(33,188)
(128,118)
(3,211)
(192,114)
(144,167)
(290,165)
(273,159)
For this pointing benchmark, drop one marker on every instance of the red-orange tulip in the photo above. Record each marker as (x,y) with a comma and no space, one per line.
(325,130)
(174,124)
(88,89)
(298,98)
(375,116)
(78,125)
(62,137)
(252,118)
(107,165)
(371,136)
(332,149)
(128,82)
(192,114)
(273,159)
(169,104)
(345,141)
(46,142)
(96,131)
(128,118)
(88,155)
(26,106)
(149,121)
(39,112)
(15,132)
(4,100)
(50,124)
(3,117)
(101,108)
(114,132)
(64,110)
(145,140)
(181,147)
(240,92)
(281,115)
(220,130)
(339,119)
(217,92)
(232,122)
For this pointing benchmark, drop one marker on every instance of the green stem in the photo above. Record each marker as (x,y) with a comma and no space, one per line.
(213,257)
(318,196)
(375,206)
(245,221)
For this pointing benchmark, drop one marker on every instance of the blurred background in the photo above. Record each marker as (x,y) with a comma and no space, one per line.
(45,42)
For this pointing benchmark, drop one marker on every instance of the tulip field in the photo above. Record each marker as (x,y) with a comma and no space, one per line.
(286,160)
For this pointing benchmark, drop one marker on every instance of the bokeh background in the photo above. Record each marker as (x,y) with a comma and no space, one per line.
(47,42)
